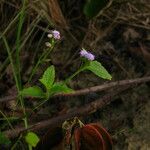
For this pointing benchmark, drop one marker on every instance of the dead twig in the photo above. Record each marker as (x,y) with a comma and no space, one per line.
(8,98)
(93,89)
(56,14)
(108,86)
(82,111)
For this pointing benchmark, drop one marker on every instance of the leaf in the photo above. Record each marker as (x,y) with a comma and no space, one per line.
(60,87)
(92,7)
(90,138)
(34,91)
(98,70)
(32,139)
(48,77)
(4,139)
(106,136)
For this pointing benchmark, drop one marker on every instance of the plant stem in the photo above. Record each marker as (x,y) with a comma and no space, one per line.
(30,147)
(16,80)
(73,75)
(27,35)
(6,119)
(47,98)
(11,62)
(15,144)
(41,59)
(18,67)
(21,20)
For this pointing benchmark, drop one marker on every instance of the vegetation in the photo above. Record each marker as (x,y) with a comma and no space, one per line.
(64,59)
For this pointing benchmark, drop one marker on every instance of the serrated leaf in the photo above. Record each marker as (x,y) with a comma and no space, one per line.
(48,77)
(32,139)
(34,91)
(60,87)
(98,70)
(92,7)
(4,140)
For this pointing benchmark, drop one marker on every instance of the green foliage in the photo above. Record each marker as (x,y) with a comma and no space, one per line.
(48,77)
(98,70)
(34,91)
(92,7)
(60,87)
(32,139)
(4,140)
(51,88)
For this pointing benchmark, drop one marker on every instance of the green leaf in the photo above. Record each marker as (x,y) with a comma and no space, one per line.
(32,139)
(98,70)
(48,77)
(60,87)
(34,91)
(92,7)
(4,139)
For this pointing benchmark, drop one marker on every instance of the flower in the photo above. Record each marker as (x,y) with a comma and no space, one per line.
(56,34)
(83,52)
(87,55)
(90,56)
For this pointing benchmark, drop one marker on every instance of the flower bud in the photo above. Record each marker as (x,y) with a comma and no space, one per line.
(48,44)
(49,35)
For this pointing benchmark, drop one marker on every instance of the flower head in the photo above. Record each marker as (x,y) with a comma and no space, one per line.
(87,55)
(90,56)
(83,52)
(56,34)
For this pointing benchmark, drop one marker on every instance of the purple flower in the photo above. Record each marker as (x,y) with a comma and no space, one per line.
(90,56)
(83,52)
(87,55)
(56,34)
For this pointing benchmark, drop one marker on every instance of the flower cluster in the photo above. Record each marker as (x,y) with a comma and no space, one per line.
(86,54)
(55,35)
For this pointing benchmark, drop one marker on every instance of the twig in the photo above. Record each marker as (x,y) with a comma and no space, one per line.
(8,98)
(86,109)
(93,89)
